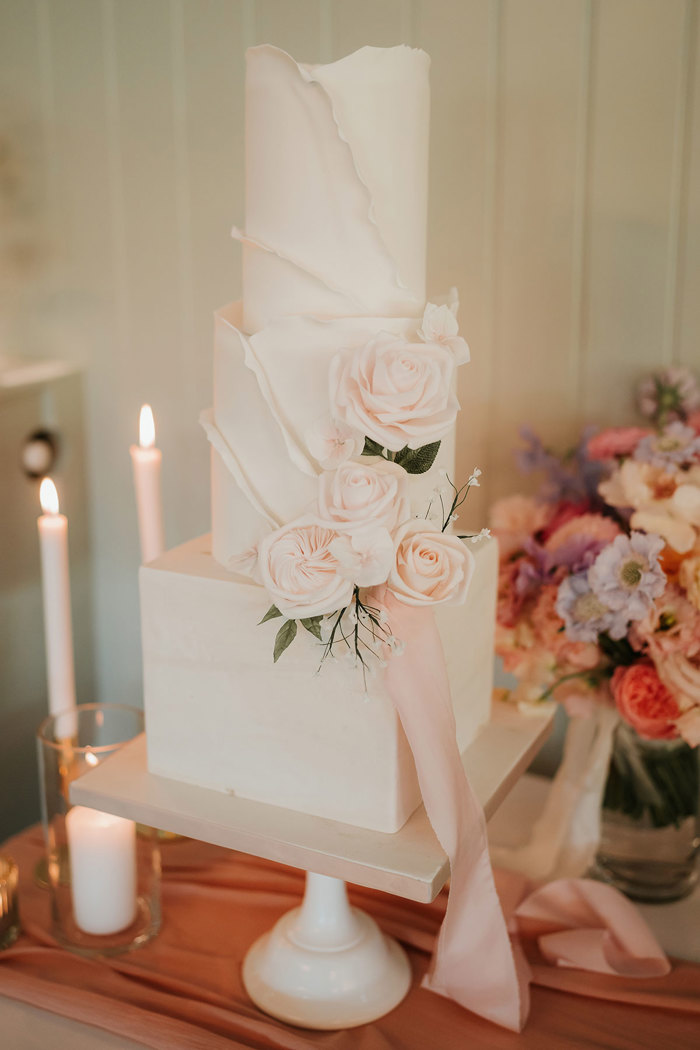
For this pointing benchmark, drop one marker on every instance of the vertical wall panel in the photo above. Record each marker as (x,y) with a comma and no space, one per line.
(535,230)
(565,205)
(687,342)
(459,37)
(637,51)
(381,23)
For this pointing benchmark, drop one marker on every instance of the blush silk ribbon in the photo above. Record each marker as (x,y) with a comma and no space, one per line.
(474,962)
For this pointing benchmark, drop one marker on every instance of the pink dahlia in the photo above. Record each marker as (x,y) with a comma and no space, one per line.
(593,526)
(615,442)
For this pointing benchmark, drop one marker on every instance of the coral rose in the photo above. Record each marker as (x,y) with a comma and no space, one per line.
(373,492)
(431,567)
(299,571)
(396,393)
(644,701)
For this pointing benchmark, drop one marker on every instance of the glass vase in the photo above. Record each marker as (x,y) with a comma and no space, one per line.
(103,872)
(650,833)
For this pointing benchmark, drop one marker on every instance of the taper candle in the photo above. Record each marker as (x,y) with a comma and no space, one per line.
(146,459)
(58,628)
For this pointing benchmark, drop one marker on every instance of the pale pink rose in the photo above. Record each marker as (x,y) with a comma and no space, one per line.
(593,526)
(331,442)
(365,556)
(615,441)
(299,571)
(645,702)
(396,393)
(688,725)
(682,677)
(515,519)
(672,625)
(431,567)
(370,492)
(689,578)
(440,326)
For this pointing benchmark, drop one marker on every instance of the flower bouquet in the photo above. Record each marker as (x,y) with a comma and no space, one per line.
(599,609)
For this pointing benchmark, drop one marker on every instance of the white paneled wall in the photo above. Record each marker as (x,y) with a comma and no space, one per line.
(565,180)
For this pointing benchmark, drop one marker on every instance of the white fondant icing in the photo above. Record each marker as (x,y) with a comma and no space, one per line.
(220,714)
(336,183)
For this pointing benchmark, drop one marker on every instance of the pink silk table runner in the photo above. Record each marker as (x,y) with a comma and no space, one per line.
(183,991)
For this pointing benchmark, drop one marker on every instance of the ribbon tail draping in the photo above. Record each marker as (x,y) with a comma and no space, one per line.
(474,962)
(565,837)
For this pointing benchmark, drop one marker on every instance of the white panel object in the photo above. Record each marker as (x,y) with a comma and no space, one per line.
(410,863)
(326,965)
(219,713)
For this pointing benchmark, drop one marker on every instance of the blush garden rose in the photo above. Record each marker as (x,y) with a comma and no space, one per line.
(396,393)
(431,567)
(373,492)
(300,573)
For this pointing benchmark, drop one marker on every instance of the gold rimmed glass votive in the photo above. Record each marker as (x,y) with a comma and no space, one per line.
(103,877)
(9,911)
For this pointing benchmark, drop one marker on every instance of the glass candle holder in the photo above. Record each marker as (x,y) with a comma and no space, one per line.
(103,877)
(9,912)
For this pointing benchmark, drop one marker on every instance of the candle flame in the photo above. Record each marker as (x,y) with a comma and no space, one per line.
(91,758)
(48,497)
(147,427)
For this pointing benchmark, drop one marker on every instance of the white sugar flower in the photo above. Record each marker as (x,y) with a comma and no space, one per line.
(332,442)
(440,326)
(365,557)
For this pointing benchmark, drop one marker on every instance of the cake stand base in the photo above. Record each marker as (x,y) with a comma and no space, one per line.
(326,965)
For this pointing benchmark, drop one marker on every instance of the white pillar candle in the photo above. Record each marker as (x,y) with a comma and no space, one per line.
(58,630)
(102,851)
(146,459)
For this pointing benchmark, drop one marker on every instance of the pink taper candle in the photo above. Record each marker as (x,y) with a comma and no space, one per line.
(58,628)
(146,459)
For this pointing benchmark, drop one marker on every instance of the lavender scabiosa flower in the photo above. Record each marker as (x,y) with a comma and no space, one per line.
(675,445)
(672,393)
(626,576)
(585,616)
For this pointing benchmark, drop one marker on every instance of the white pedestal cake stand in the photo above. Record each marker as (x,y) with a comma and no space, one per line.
(323,965)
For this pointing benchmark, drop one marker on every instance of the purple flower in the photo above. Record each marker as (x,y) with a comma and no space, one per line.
(585,616)
(573,477)
(676,444)
(626,576)
(577,554)
(672,393)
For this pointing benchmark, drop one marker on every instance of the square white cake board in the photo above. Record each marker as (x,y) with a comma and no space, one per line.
(410,863)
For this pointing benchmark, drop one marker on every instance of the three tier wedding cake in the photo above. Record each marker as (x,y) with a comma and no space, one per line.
(266,645)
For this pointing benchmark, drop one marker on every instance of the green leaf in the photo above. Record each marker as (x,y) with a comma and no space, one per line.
(313,626)
(271,613)
(620,652)
(372,448)
(285,636)
(417,460)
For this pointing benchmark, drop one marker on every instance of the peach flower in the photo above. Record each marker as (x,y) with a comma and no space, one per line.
(299,571)
(688,725)
(644,701)
(581,656)
(515,519)
(682,677)
(370,492)
(689,578)
(396,393)
(431,567)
